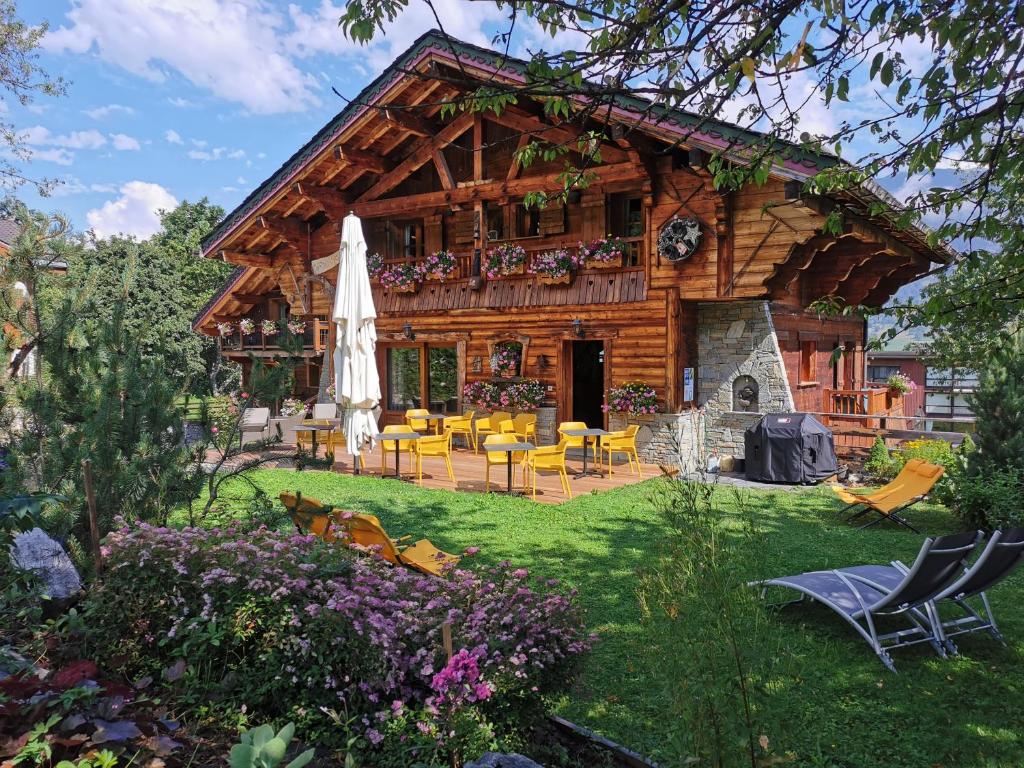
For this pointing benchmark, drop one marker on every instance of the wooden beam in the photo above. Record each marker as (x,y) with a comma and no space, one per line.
(515,168)
(331,201)
(854,224)
(419,156)
(824,278)
(891,283)
(405,120)
(292,230)
(800,257)
(367,161)
(478,147)
(523,122)
(605,174)
(254,298)
(443,171)
(245,259)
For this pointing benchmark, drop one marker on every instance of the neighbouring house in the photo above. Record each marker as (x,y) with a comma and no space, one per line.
(940,393)
(702,294)
(26,367)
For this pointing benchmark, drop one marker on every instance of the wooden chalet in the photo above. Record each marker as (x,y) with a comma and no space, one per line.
(724,330)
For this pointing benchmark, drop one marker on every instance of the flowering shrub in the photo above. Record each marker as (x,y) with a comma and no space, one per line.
(296,629)
(296,326)
(506,358)
(374,264)
(635,398)
(555,263)
(524,395)
(246,326)
(226,329)
(401,275)
(269,327)
(605,250)
(900,382)
(291,406)
(506,259)
(440,265)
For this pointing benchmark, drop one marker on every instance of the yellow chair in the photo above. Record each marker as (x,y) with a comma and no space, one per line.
(309,515)
(439,446)
(623,441)
(526,426)
(366,532)
(577,442)
(462,425)
(490,426)
(914,482)
(507,427)
(414,421)
(389,445)
(500,458)
(304,437)
(550,458)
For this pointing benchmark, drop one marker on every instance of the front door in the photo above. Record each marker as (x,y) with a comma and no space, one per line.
(588,382)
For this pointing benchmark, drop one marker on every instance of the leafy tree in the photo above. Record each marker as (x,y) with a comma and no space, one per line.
(945,82)
(22,78)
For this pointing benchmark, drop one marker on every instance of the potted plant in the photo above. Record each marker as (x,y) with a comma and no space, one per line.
(247,326)
(505,259)
(554,267)
(603,253)
(374,265)
(296,326)
(402,278)
(899,384)
(226,329)
(523,395)
(505,359)
(289,416)
(440,266)
(635,399)
(269,328)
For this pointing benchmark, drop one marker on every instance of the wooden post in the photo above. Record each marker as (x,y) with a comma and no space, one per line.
(446,639)
(94,525)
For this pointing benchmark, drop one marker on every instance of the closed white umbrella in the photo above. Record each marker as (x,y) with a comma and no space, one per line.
(356,382)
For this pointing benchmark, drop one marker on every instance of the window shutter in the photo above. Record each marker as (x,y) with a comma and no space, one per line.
(552,220)
(462,225)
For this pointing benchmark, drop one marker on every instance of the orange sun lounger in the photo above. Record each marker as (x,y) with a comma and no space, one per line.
(914,482)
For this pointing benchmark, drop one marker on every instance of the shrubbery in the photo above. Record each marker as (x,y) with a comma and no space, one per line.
(299,630)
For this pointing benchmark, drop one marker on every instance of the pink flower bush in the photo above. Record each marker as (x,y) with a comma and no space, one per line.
(401,275)
(555,263)
(440,265)
(635,398)
(296,629)
(506,358)
(522,395)
(374,264)
(606,249)
(504,260)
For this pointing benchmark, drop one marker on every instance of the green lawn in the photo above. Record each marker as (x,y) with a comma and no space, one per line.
(844,710)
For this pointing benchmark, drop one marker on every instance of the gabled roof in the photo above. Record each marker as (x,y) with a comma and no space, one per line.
(799,162)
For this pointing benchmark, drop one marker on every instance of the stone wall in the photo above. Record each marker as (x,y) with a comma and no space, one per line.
(672,439)
(734,339)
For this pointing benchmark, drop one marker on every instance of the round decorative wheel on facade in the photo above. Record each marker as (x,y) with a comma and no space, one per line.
(679,238)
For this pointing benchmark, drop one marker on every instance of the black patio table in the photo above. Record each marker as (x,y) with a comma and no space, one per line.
(585,433)
(509,449)
(396,436)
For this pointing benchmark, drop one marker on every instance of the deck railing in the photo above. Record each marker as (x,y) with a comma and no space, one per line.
(315,337)
(871,402)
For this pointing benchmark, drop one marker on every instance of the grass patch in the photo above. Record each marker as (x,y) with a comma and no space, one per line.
(844,709)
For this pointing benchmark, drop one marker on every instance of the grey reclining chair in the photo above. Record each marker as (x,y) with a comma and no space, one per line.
(863,593)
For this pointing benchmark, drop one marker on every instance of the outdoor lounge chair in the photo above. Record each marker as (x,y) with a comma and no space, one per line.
(914,482)
(367,532)
(860,597)
(309,515)
(254,420)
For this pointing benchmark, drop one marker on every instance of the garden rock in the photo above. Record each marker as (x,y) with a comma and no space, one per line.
(36,552)
(498,760)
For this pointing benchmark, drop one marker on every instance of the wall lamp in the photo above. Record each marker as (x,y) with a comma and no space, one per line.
(577,328)
(408,331)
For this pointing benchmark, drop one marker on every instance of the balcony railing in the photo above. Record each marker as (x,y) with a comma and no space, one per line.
(871,401)
(315,337)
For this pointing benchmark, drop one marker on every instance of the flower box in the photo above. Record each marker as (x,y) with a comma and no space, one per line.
(598,264)
(408,288)
(565,279)
(441,276)
(518,269)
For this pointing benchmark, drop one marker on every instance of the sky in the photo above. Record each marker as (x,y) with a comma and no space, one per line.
(173,100)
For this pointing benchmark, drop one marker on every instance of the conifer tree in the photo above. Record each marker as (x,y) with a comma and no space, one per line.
(998,406)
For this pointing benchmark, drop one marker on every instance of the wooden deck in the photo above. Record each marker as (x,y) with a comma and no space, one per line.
(469,470)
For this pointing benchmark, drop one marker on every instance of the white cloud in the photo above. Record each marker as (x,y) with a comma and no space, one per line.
(72,185)
(217,153)
(198,143)
(124,142)
(135,212)
(233,47)
(181,103)
(173,137)
(57,155)
(98,113)
(40,136)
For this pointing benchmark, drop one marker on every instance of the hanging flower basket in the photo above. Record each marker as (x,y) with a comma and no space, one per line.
(506,359)
(507,259)
(247,326)
(374,265)
(555,267)
(270,328)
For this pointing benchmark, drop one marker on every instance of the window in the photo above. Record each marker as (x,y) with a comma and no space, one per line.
(527,221)
(625,215)
(403,364)
(808,363)
(880,373)
(442,379)
(495,222)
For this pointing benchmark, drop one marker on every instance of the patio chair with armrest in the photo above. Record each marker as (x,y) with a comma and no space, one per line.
(386,445)
(304,437)
(366,532)
(525,426)
(913,483)
(438,446)
(623,441)
(500,458)
(462,425)
(489,426)
(860,597)
(550,458)
(415,421)
(577,441)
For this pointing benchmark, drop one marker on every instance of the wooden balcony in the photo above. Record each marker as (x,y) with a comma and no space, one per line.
(872,402)
(315,340)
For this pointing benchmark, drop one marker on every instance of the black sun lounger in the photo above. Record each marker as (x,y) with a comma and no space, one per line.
(863,593)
